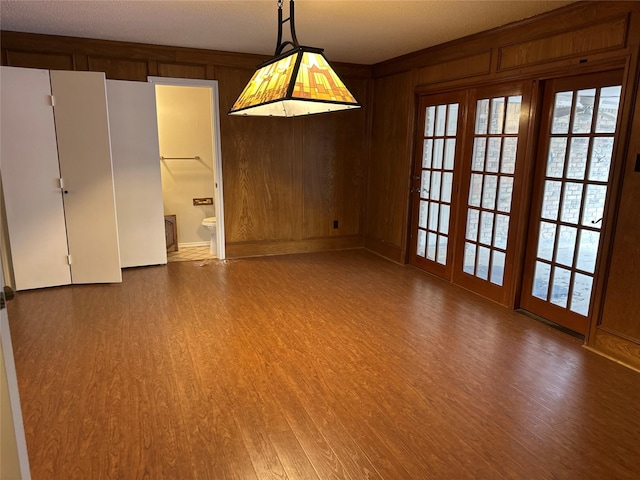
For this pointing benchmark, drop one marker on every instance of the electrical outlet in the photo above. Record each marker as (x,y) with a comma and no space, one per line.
(335,224)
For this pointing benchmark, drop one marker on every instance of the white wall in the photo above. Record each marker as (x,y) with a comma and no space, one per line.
(185,130)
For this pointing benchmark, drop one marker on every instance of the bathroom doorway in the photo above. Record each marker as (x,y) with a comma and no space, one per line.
(190,163)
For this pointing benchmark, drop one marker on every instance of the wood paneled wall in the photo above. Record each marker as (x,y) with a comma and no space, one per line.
(389,171)
(580,38)
(285,180)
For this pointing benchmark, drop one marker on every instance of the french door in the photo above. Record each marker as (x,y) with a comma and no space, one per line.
(467,170)
(571,188)
(433,183)
(491,180)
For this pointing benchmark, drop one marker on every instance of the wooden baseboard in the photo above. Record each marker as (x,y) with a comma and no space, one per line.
(616,348)
(384,249)
(256,249)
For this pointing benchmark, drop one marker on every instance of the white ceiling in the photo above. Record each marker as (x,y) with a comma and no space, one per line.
(356,31)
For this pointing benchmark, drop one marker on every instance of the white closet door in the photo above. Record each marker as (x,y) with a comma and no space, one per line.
(136,172)
(30,172)
(84,153)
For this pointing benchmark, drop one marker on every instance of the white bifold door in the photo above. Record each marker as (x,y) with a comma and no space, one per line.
(57,178)
(136,172)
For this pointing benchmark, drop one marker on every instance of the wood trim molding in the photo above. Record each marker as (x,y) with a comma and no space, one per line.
(616,347)
(258,249)
(459,68)
(596,37)
(384,249)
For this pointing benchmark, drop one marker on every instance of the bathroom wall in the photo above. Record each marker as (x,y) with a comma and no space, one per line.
(185,130)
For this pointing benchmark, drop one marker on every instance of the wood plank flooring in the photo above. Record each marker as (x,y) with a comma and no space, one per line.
(335,365)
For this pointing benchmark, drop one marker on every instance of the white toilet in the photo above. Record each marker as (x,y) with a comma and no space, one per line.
(210,223)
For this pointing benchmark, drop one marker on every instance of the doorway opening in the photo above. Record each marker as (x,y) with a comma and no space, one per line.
(191,168)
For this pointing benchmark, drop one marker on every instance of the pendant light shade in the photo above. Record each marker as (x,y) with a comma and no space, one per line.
(297,82)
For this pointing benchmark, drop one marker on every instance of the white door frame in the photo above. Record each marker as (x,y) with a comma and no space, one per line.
(17,437)
(217,151)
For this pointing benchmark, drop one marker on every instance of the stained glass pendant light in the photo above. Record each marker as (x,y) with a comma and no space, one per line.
(297,82)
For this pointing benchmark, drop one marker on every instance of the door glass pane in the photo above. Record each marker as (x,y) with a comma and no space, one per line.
(497,115)
(509,151)
(444,219)
(588,251)
(441,118)
(601,159)
(447,185)
(556,160)
(493,154)
(566,245)
(482,116)
(431,246)
(422,219)
(482,267)
(427,153)
(608,109)
(594,206)
(473,220)
(452,120)
(497,267)
(581,296)
(583,112)
(562,112)
(560,286)
(489,192)
(486,228)
(435,185)
(438,153)
(475,189)
(577,157)
(430,119)
(469,262)
(433,216)
(513,115)
(551,199)
(546,240)
(449,153)
(422,243)
(504,194)
(425,184)
(571,201)
(442,249)
(501,232)
(541,278)
(479,151)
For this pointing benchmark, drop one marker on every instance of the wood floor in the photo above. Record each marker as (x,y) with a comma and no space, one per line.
(319,366)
